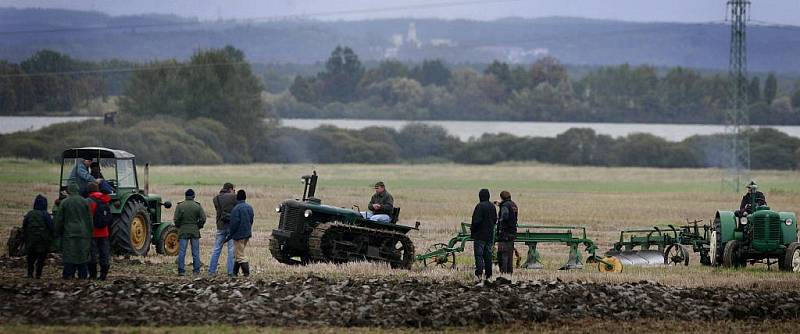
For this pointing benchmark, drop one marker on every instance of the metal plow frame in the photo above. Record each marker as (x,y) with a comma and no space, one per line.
(625,249)
(444,255)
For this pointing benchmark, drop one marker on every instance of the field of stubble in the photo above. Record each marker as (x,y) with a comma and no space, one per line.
(441,196)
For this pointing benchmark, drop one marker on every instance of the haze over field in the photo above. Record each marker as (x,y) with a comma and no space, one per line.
(777,11)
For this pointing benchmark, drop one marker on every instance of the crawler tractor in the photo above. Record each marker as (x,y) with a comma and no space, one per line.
(310,231)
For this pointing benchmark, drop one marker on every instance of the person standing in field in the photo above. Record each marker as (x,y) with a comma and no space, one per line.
(73,224)
(223,203)
(484,217)
(506,232)
(37,231)
(241,231)
(101,219)
(189,219)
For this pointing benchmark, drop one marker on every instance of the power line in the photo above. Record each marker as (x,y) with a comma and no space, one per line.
(269,18)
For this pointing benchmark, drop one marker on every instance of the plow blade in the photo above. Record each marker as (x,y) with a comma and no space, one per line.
(639,258)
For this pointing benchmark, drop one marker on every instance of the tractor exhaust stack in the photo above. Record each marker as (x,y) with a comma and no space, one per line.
(146,178)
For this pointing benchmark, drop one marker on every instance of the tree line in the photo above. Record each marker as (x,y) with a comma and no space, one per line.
(209,110)
(541,91)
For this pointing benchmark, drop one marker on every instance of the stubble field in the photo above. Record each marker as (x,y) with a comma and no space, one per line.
(441,196)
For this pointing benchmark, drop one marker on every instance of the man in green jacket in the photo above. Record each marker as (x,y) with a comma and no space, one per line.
(74,227)
(189,219)
(381,205)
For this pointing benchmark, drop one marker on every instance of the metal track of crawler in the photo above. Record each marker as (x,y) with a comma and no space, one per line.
(278,254)
(318,254)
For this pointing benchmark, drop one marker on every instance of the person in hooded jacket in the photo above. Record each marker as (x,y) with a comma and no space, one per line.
(101,247)
(73,224)
(37,231)
(484,217)
(506,232)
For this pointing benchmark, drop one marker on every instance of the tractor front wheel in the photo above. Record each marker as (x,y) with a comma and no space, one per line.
(791,259)
(130,232)
(168,243)
(732,257)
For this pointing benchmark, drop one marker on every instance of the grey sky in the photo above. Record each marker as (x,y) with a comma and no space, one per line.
(773,11)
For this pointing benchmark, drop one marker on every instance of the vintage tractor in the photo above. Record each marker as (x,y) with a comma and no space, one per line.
(310,231)
(756,234)
(137,213)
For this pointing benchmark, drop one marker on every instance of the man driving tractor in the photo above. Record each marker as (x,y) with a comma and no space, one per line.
(752,195)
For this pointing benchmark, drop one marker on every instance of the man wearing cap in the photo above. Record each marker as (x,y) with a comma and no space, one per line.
(381,205)
(189,219)
(81,176)
(223,203)
(752,195)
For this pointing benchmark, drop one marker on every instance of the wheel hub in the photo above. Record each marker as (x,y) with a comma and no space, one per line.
(138,232)
(796,261)
(171,244)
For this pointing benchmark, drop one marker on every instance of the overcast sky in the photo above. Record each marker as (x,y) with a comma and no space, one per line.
(772,11)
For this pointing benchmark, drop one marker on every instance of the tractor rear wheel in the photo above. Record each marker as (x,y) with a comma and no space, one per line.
(791,259)
(732,256)
(168,242)
(130,232)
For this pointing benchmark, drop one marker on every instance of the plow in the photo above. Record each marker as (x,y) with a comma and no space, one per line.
(662,245)
(444,254)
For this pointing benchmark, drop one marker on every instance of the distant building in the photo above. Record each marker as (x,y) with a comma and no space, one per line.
(411,36)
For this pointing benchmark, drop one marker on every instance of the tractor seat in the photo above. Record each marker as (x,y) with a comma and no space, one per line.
(395,215)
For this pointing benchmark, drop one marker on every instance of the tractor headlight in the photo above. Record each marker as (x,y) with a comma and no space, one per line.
(743,221)
(307,213)
(278,209)
(788,221)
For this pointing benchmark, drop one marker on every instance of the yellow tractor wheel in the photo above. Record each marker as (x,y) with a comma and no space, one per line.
(609,264)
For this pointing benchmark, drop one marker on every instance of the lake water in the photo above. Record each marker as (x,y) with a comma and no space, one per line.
(467,129)
(461,129)
(9,124)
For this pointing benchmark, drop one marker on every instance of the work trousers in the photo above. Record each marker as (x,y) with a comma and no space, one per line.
(36,260)
(483,258)
(505,253)
(238,250)
(101,249)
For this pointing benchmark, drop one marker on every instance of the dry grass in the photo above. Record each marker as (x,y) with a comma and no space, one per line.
(443,195)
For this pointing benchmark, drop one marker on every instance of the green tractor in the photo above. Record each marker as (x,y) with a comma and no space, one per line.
(756,234)
(309,231)
(137,213)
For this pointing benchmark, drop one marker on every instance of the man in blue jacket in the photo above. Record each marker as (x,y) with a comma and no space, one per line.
(240,230)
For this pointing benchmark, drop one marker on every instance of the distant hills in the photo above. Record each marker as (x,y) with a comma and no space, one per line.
(96,36)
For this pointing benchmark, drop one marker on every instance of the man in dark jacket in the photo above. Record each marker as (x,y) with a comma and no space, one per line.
(223,203)
(752,196)
(101,219)
(37,231)
(189,219)
(381,205)
(484,217)
(73,224)
(240,232)
(506,232)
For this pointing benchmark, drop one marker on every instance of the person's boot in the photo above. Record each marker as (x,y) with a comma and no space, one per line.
(92,270)
(245,269)
(236,267)
(103,272)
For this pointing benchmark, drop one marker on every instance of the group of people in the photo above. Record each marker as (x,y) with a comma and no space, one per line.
(234,222)
(485,219)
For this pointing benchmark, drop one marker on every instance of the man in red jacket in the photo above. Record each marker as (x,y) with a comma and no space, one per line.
(101,217)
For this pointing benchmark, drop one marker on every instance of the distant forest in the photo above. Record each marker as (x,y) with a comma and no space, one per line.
(97,36)
(210,109)
(342,86)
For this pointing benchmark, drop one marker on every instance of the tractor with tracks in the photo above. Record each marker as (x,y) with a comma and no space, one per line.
(755,234)
(309,231)
(137,213)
